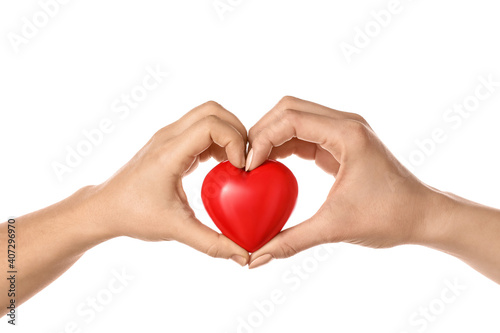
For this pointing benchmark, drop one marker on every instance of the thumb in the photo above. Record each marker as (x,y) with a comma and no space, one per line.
(292,241)
(202,238)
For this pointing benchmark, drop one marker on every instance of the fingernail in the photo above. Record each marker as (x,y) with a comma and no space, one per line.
(238,259)
(262,260)
(249,160)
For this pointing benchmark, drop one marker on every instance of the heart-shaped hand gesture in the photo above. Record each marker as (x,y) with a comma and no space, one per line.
(374,201)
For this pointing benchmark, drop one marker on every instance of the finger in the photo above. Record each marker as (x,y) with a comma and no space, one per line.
(291,241)
(308,151)
(324,131)
(200,237)
(214,151)
(294,103)
(202,111)
(200,136)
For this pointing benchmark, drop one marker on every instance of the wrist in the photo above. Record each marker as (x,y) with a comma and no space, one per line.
(450,221)
(438,208)
(82,214)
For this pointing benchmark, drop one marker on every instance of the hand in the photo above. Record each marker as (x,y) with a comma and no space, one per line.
(145,198)
(374,201)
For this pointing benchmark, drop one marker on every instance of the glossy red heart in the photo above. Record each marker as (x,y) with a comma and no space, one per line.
(252,207)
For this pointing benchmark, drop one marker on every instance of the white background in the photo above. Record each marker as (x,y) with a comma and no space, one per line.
(66,77)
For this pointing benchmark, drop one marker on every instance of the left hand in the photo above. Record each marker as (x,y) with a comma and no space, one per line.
(145,198)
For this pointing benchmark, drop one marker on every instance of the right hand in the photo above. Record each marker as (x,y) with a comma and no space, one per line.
(374,202)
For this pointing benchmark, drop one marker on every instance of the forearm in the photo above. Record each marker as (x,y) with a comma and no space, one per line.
(468,231)
(48,242)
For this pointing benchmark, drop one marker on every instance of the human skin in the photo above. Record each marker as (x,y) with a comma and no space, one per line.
(143,200)
(375,201)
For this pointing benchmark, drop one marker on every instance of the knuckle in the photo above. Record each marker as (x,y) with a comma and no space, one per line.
(264,137)
(260,137)
(211,108)
(159,142)
(235,139)
(211,120)
(213,249)
(287,250)
(211,105)
(358,118)
(357,132)
(156,137)
(287,101)
(259,143)
(252,132)
(289,115)
(161,132)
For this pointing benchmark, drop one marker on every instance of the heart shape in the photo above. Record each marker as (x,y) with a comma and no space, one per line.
(250,208)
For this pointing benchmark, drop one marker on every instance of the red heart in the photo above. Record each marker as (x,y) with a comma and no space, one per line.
(252,207)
